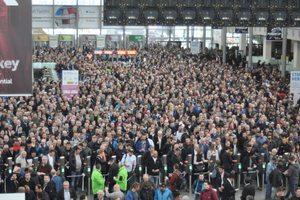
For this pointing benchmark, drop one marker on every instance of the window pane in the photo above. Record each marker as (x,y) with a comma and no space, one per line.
(65,2)
(42,2)
(89,2)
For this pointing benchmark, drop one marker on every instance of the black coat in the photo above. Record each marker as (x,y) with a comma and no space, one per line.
(151,165)
(50,189)
(113,171)
(61,196)
(146,195)
(228,190)
(30,196)
(246,163)
(248,190)
(119,153)
(12,186)
(276,177)
(72,163)
(226,161)
(176,159)
(218,178)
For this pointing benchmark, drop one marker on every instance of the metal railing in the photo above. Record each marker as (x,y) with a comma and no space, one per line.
(82,175)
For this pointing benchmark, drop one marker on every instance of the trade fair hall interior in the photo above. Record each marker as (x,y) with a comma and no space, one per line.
(149,99)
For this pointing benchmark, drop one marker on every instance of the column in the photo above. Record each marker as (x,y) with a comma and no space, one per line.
(250,30)
(124,47)
(147,36)
(284,47)
(296,61)
(170,32)
(267,48)
(242,44)
(187,36)
(204,39)
(224,31)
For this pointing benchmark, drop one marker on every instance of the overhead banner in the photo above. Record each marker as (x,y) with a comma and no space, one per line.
(89,38)
(53,41)
(241,29)
(15,48)
(66,38)
(100,41)
(274,33)
(136,38)
(195,47)
(295,85)
(41,38)
(70,83)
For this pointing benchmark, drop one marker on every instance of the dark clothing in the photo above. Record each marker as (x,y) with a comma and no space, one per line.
(61,196)
(226,161)
(173,180)
(228,190)
(146,194)
(12,186)
(294,171)
(72,163)
(151,165)
(248,190)
(46,169)
(30,196)
(119,154)
(31,184)
(50,189)
(36,178)
(246,163)
(275,177)
(295,198)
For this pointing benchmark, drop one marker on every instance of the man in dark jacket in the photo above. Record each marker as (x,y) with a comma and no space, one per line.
(76,167)
(146,192)
(279,195)
(297,195)
(113,172)
(49,187)
(119,152)
(29,194)
(227,188)
(154,164)
(276,177)
(226,159)
(248,164)
(293,174)
(248,189)
(66,189)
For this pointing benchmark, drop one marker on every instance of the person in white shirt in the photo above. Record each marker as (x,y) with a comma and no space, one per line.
(129,161)
(22,160)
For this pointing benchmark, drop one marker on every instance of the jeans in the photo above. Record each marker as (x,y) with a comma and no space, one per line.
(275,190)
(154,179)
(75,180)
(292,187)
(269,188)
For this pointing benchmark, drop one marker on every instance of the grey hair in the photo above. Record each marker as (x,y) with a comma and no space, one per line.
(185,198)
(44,157)
(100,191)
(120,164)
(67,182)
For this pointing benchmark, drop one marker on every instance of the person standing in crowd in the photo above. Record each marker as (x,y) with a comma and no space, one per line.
(66,193)
(279,195)
(227,188)
(133,194)
(97,180)
(146,192)
(275,177)
(198,186)
(76,167)
(248,189)
(129,161)
(57,180)
(100,195)
(113,172)
(270,167)
(117,193)
(221,177)
(208,193)
(297,194)
(121,179)
(226,159)
(29,194)
(49,187)
(154,165)
(39,189)
(293,175)
(174,178)
(163,193)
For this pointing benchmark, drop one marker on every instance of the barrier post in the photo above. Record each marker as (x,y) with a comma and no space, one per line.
(87,171)
(165,166)
(35,163)
(61,165)
(263,175)
(190,172)
(140,167)
(9,165)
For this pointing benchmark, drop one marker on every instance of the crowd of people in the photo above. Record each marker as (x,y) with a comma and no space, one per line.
(165,102)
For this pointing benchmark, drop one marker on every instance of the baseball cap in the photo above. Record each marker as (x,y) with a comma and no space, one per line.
(162,185)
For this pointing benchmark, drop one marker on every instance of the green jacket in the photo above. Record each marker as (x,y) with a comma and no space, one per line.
(97,181)
(122,178)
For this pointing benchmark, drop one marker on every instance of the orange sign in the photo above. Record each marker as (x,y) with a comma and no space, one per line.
(121,52)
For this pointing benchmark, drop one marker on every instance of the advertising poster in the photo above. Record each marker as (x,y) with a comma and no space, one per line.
(100,41)
(53,41)
(241,29)
(70,83)
(15,48)
(274,33)
(195,47)
(295,85)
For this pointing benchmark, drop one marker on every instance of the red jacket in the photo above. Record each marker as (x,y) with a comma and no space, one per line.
(173,181)
(206,194)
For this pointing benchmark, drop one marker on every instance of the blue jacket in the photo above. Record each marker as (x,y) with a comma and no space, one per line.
(129,195)
(139,146)
(163,196)
(58,183)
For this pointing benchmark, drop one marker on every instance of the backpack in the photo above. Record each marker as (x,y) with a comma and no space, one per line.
(211,195)
(271,177)
(181,182)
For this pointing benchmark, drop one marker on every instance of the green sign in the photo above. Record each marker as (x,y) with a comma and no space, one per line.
(88,169)
(191,167)
(136,38)
(9,171)
(166,168)
(140,168)
(62,170)
(264,166)
(67,38)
